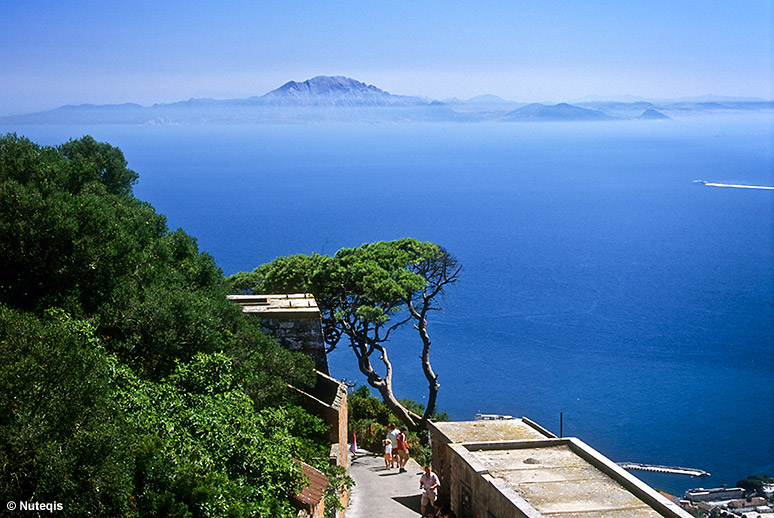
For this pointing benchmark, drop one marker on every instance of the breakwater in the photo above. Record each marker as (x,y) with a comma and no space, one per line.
(676,470)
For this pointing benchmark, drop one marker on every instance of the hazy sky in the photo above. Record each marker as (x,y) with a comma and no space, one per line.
(55,52)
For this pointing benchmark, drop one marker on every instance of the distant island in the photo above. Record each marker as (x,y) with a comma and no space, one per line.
(342,99)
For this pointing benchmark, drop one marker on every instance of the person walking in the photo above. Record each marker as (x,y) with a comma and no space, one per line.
(392,435)
(387,453)
(353,446)
(403,452)
(428,484)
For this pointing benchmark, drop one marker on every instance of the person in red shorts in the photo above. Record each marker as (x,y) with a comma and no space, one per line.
(403,452)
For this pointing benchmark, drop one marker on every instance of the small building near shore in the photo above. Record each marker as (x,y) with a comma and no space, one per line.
(718,494)
(515,468)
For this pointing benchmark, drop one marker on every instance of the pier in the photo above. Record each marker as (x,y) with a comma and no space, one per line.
(676,470)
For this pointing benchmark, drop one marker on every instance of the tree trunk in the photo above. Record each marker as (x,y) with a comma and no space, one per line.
(384,385)
(432,377)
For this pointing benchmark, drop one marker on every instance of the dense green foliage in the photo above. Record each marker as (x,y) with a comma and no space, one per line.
(62,434)
(129,384)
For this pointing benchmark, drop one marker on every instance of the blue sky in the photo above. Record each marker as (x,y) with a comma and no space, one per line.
(54,53)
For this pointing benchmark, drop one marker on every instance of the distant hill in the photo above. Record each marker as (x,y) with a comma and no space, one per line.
(651,114)
(556,113)
(343,99)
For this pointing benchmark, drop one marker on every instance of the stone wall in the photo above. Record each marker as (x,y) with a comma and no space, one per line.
(298,332)
(327,399)
(293,320)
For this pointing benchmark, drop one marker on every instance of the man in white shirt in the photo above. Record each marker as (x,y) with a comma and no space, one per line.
(392,435)
(428,483)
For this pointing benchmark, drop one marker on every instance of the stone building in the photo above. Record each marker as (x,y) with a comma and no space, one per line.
(714,495)
(516,469)
(293,320)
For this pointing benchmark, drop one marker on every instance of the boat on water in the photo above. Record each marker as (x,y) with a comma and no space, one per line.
(493,417)
(702,182)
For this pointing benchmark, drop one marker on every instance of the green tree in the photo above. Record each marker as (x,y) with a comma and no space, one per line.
(72,236)
(369,416)
(62,437)
(365,293)
(85,430)
(67,238)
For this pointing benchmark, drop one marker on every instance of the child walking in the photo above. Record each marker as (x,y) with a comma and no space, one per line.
(387,453)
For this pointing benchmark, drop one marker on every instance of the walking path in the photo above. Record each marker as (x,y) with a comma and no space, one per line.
(382,492)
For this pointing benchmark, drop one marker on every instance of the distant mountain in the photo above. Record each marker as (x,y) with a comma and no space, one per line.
(342,99)
(556,113)
(487,99)
(320,99)
(653,115)
(334,91)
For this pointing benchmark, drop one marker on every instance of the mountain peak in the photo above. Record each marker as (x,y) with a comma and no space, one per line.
(335,91)
(321,85)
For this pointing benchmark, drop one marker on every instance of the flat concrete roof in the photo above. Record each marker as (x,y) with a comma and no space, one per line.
(495,430)
(556,481)
(283,303)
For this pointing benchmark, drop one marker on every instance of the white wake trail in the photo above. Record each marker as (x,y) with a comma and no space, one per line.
(735,186)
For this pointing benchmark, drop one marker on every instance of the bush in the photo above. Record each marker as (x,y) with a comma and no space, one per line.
(62,437)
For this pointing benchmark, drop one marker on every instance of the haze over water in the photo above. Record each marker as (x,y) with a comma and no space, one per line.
(599,280)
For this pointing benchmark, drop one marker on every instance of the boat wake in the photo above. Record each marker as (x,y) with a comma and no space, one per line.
(735,186)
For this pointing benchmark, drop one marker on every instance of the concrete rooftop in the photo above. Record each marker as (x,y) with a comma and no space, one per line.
(287,303)
(489,431)
(558,482)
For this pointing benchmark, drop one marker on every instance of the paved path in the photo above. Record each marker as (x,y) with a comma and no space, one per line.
(382,492)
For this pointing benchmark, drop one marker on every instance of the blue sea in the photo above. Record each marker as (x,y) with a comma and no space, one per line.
(600,282)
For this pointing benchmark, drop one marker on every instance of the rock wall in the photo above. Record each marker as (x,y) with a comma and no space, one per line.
(298,332)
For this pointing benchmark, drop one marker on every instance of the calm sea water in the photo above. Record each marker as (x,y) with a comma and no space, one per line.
(600,282)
